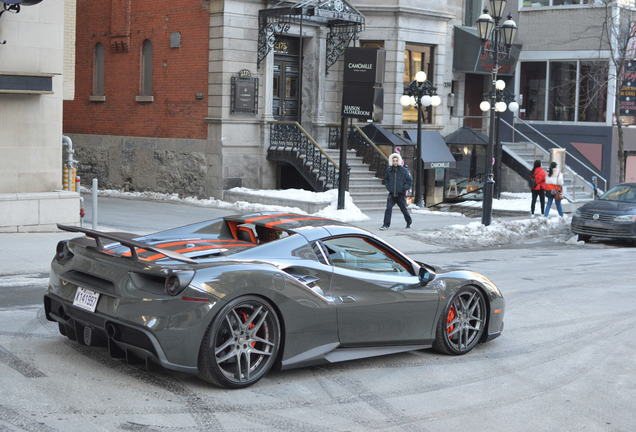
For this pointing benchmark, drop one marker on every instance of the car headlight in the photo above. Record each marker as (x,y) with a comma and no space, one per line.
(578,212)
(625,218)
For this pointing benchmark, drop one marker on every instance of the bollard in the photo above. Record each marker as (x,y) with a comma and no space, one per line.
(94,193)
(77,184)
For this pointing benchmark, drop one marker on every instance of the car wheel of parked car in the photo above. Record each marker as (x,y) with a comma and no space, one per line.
(583,237)
(241,344)
(462,324)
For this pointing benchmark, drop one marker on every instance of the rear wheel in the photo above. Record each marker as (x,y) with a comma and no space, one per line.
(583,237)
(241,344)
(463,322)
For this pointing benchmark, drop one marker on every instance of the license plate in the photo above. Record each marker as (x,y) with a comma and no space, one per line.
(86,299)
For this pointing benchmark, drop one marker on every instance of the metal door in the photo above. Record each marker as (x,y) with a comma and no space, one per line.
(377,307)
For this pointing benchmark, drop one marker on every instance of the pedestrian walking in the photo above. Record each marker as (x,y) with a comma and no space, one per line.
(537,186)
(397,181)
(554,188)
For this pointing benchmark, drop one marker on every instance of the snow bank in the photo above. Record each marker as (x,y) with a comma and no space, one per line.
(351,213)
(500,232)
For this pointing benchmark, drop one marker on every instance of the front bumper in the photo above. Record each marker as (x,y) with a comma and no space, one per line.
(130,342)
(603,228)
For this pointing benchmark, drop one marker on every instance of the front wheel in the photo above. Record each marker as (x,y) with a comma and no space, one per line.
(241,344)
(583,237)
(462,323)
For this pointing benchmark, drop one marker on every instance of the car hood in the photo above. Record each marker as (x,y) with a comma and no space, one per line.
(613,207)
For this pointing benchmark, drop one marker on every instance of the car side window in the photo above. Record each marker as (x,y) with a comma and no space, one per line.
(358,253)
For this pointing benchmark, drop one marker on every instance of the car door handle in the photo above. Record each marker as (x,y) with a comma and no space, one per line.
(348,299)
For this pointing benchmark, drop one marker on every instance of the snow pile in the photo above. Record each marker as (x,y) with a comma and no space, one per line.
(291,194)
(351,213)
(423,211)
(574,241)
(500,232)
(509,201)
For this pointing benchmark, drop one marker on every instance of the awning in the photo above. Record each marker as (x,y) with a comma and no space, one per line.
(468,56)
(435,152)
(342,19)
(466,136)
(382,136)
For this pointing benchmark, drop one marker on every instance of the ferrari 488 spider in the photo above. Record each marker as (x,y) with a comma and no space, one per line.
(230,298)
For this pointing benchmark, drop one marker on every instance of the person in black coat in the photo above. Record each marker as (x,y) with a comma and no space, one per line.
(397,181)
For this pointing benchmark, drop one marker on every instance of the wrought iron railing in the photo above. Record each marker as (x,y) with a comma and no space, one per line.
(540,152)
(370,153)
(290,142)
(363,145)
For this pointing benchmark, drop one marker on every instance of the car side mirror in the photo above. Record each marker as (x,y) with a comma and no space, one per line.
(425,276)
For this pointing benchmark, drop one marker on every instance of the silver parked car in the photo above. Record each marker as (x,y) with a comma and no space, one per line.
(612,215)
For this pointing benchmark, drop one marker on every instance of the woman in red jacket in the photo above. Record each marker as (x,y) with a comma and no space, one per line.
(538,174)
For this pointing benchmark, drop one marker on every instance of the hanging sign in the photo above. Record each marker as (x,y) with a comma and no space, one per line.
(364,65)
(363,102)
(627,92)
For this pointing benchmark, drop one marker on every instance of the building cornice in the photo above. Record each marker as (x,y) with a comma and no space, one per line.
(407,11)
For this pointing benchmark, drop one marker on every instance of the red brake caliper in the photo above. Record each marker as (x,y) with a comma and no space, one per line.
(450,317)
(244,316)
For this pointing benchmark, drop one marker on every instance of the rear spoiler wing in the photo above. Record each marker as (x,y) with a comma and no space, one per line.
(129,243)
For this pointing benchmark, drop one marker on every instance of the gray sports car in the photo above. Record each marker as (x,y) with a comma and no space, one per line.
(230,298)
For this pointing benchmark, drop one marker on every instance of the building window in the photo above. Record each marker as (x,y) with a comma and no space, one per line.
(98,70)
(146,70)
(417,58)
(564,91)
(593,91)
(562,94)
(472,11)
(539,3)
(532,88)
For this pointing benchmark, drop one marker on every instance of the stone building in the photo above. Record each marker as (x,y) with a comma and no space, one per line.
(36,74)
(157,107)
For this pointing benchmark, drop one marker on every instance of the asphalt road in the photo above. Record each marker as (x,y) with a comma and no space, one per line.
(565,362)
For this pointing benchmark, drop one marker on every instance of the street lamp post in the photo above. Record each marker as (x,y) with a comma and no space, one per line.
(493,34)
(509,99)
(419,93)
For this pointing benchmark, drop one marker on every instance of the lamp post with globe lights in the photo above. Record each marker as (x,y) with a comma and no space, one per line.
(419,94)
(496,40)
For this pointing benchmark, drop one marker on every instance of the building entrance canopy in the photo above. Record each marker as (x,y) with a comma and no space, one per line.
(435,153)
(343,20)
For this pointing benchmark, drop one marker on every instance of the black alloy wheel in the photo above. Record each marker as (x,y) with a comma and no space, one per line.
(241,344)
(463,322)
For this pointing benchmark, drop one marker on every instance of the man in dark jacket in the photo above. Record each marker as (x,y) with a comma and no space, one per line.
(397,181)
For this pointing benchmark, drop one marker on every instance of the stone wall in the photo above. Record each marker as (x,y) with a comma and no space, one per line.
(186,167)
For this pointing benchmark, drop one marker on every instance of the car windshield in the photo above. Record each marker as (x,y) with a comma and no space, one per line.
(625,193)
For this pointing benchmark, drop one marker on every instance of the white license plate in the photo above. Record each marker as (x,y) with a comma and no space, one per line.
(86,299)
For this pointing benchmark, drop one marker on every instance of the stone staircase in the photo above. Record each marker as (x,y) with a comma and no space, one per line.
(367,191)
(577,189)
